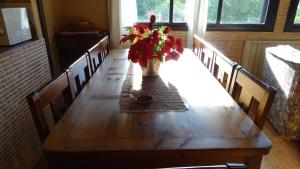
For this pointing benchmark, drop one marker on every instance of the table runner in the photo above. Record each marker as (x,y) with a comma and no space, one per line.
(165,95)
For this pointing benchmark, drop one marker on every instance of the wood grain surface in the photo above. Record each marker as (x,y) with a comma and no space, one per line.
(214,130)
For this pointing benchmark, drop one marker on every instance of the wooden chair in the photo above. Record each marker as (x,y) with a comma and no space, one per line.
(95,58)
(223,69)
(78,75)
(104,47)
(57,94)
(253,95)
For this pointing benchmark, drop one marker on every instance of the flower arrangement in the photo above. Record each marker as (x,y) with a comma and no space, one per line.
(147,43)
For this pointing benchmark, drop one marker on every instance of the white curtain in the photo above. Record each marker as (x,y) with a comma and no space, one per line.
(197,19)
(122,13)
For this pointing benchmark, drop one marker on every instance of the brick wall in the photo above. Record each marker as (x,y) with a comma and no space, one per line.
(22,71)
(232,43)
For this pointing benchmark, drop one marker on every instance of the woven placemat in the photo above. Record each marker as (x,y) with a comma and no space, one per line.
(165,95)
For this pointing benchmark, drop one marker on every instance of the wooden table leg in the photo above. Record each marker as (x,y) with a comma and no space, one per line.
(253,162)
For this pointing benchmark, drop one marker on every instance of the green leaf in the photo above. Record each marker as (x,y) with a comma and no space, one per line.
(161,29)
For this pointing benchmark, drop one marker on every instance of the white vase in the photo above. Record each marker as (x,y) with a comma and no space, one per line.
(152,68)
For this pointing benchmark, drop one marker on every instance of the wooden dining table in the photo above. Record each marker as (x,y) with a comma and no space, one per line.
(209,127)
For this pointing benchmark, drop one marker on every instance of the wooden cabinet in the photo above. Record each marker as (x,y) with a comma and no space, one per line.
(72,45)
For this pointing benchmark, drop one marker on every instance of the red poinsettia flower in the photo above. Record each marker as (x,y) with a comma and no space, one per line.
(167,30)
(171,40)
(179,45)
(147,44)
(124,39)
(137,27)
(155,34)
(132,37)
(156,40)
(143,61)
(142,30)
(152,19)
(175,55)
(168,57)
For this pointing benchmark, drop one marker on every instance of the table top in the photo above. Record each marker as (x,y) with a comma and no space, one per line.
(213,122)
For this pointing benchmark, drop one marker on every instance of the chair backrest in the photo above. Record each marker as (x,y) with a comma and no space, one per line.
(253,95)
(223,69)
(104,47)
(208,57)
(95,59)
(57,94)
(197,46)
(205,51)
(78,75)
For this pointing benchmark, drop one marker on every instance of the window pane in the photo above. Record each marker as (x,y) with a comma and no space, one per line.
(146,8)
(179,10)
(212,11)
(244,11)
(297,17)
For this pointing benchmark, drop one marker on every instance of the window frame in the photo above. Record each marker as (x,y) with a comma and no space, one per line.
(171,24)
(268,26)
(290,25)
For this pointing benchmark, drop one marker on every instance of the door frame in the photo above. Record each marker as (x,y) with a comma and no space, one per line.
(45,35)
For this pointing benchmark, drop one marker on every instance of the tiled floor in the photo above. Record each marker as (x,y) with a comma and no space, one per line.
(283,155)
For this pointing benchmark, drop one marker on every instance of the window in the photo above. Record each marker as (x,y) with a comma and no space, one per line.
(244,15)
(293,17)
(168,12)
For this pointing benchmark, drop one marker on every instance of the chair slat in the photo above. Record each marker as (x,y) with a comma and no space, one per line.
(205,51)
(78,74)
(253,91)
(104,47)
(207,57)
(95,59)
(197,46)
(223,69)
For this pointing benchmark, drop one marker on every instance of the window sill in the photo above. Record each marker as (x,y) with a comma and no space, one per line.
(292,28)
(240,28)
(173,26)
